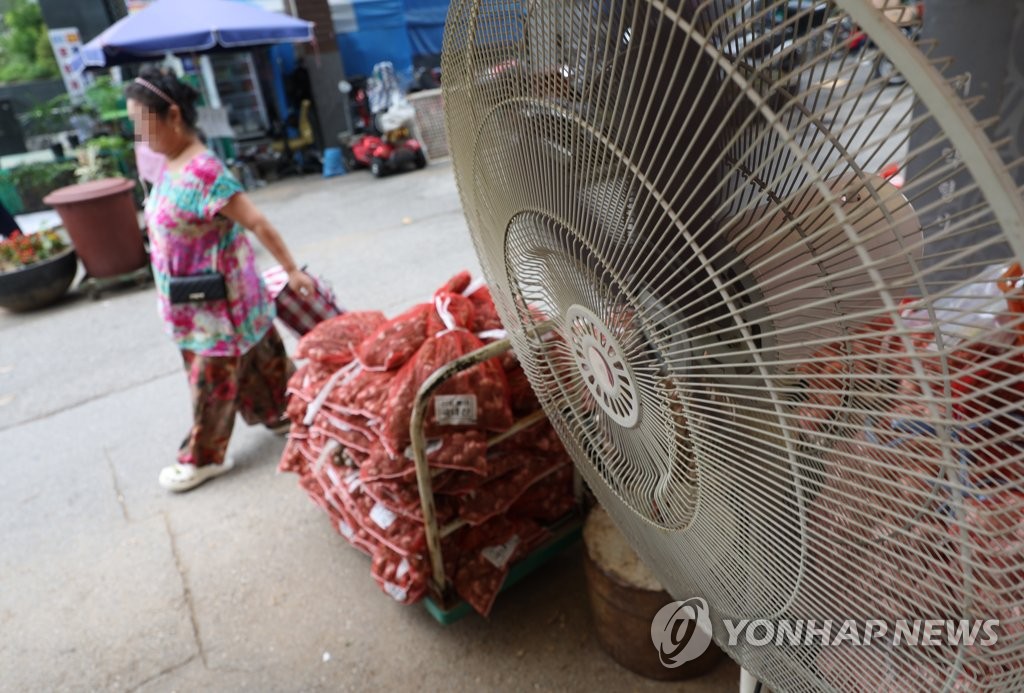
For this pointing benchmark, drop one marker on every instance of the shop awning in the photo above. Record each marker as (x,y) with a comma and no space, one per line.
(191,26)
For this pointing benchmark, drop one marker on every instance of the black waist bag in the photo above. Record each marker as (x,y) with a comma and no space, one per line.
(198,288)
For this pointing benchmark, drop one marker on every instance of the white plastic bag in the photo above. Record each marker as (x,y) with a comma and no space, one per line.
(978,311)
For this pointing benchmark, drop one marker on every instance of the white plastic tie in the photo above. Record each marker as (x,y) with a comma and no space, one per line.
(329,449)
(443,308)
(314,407)
(475,286)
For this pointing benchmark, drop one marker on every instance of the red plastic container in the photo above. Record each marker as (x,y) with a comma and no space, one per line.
(101,219)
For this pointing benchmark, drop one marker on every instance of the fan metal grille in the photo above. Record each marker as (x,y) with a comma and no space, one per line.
(795,385)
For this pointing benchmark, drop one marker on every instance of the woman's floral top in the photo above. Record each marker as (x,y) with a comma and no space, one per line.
(187,235)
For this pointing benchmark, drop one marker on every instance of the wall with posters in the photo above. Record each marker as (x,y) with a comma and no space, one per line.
(67,43)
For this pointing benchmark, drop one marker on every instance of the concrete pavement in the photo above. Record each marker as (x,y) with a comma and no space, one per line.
(109,583)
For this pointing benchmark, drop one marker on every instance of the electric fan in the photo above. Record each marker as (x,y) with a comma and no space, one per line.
(769,295)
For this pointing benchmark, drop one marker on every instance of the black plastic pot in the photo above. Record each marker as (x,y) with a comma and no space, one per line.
(39,284)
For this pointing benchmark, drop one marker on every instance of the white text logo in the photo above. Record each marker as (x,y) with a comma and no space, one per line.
(926,632)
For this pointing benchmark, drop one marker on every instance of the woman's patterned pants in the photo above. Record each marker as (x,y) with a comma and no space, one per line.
(252,385)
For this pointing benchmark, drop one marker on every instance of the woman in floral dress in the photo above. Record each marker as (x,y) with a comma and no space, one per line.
(196,216)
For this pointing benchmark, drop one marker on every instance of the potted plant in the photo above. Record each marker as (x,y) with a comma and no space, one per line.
(34,181)
(35,269)
(106,156)
(104,98)
(43,124)
(94,165)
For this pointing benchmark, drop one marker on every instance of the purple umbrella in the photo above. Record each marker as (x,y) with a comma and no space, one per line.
(191,26)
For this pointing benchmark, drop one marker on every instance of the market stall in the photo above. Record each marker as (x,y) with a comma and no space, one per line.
(220,33)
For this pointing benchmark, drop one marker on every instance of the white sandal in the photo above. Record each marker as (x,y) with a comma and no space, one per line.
(184,477)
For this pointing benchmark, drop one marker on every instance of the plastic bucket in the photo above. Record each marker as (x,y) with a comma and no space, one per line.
(101,220)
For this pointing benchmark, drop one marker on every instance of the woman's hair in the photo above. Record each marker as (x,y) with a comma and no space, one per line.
(158,89)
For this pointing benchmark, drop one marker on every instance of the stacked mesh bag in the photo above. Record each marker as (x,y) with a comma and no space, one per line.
(932,492)
(350,404)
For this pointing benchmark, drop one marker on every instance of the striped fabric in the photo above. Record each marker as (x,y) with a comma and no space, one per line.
(300,313)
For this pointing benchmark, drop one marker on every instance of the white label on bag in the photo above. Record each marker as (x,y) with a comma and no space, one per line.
(499,555)
(395,592)
(382,516)
(403,569)
(455,410)
(345,529)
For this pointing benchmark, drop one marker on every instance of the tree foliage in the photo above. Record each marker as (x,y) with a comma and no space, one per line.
(25,52)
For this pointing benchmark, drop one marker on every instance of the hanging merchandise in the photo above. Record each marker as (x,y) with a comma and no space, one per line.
(383,89)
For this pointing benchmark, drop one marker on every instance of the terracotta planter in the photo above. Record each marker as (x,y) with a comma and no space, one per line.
(40,284)
(101,219)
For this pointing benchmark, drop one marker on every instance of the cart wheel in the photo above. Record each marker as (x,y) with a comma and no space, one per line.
(377,167)
(421,159)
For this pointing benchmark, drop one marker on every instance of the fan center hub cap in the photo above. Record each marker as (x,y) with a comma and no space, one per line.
(602,371)
(602,363)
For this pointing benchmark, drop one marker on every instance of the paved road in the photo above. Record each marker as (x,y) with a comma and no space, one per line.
(109,583)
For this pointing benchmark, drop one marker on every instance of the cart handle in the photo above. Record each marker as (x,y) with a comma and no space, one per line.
(419,442)
(419,446)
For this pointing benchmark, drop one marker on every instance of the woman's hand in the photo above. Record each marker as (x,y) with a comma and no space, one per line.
(301,283)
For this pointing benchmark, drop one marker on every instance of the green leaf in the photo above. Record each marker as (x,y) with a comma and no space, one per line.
(22,45)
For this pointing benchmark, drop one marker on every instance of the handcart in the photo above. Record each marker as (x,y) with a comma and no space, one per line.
(442,603)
